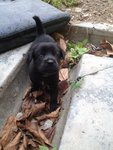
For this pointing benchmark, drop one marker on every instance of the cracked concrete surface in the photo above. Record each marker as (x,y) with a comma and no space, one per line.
(90,64)
(89,124)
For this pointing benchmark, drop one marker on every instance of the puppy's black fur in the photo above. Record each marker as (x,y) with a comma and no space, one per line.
(43,61)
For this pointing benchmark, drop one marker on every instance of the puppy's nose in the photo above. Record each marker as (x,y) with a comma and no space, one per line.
(50,61)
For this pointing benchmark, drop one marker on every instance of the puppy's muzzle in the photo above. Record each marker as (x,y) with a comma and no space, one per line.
(50,61)
(51,65)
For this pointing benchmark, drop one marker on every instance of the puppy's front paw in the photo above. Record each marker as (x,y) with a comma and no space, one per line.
(53,107)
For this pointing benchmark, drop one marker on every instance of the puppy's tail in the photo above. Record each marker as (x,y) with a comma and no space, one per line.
(39,26)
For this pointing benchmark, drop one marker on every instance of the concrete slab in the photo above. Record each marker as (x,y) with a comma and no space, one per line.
(89,123)
(78,32)
(93,32)
(10,63)
(89,64)
(13,81)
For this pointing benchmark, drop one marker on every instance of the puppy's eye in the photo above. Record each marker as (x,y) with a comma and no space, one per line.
(41,56)
(55,54)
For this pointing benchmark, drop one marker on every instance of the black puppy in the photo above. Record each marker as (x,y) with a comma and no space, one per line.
(43,60)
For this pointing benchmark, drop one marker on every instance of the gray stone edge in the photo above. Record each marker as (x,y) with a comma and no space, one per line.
(14,70)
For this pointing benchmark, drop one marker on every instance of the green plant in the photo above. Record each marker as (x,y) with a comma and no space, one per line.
(45,148)
(76,84)
(59,3)
(69,3)
(77,50)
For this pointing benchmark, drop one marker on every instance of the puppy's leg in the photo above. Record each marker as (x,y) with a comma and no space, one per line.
(36,82)
(54,95)
(36,86)
(53,92)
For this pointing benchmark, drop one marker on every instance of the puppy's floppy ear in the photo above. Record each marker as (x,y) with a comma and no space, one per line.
(33,54)
(62,54)
(30,55)
(34,49)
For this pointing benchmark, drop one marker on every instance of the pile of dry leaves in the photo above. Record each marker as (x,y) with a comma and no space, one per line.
(105,49)
(34,125)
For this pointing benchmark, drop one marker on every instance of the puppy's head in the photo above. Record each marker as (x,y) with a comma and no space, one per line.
(46,57)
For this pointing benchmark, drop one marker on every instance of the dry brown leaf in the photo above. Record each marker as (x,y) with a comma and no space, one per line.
(46,141)
(20,125)
(1,148)
(63,64)
(13,144)
(24,144)
(52,135)
(22,147)
(37,93)
(25,115)
(100,53)
(36,108)
(60,40)
(32,111)
(105,44)
(62,44)
(49,133)
(51,115)
(108,46)
(27,104)
(109,52)
(27,93)
(25,141)
(34,129)
(63,74)
(63,86)
(32,143)
(54,114)
(9,131)
(57,36)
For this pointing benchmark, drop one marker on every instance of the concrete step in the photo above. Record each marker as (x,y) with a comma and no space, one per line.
(89,122)
(13,81)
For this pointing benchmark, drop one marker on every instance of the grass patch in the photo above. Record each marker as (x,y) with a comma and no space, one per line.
(45,148)
(77,84)
(59,3)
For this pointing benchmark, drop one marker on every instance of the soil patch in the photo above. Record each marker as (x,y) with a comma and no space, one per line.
(97,11)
